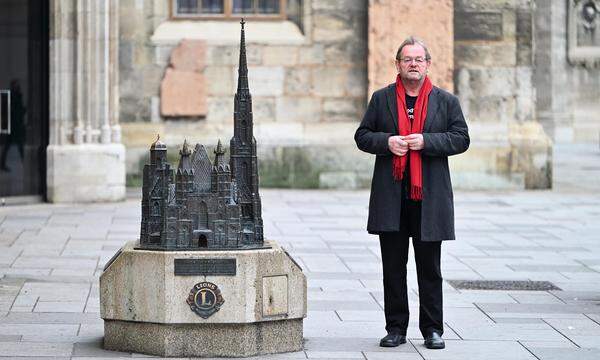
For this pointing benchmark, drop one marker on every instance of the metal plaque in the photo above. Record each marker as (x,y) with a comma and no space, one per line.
(190,267)
(205,299)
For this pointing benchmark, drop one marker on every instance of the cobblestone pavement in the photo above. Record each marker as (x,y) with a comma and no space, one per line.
(51,256)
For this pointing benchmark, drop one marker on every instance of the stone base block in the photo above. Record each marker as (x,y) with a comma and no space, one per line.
(86,173)
(203,303)
(209,340)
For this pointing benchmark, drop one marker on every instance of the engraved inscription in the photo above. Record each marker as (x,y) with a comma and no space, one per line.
(187,267)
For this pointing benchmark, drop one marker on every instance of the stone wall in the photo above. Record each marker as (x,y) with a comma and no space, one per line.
(430,20)
(494,81)
(311,77)
(567,93)
(309,87)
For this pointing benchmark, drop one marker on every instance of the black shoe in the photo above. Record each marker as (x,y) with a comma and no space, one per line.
(434,341)
(392,340)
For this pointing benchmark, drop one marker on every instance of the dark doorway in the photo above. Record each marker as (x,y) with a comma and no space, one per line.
(202,241)
(23,97)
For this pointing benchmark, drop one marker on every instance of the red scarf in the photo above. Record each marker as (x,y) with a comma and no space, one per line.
(404,125)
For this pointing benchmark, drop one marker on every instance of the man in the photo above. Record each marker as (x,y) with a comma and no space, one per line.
(412,127)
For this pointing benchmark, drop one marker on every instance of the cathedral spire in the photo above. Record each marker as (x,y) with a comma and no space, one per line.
(219,152)
(185,164)
(243,65)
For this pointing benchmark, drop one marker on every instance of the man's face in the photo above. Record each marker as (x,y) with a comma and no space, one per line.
(412,65)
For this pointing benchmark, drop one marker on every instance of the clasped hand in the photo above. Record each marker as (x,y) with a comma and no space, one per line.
(399,145)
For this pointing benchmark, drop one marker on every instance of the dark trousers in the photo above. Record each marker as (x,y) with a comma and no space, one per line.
(394,255)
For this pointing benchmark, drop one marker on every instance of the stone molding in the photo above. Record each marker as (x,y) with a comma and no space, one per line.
(227,32)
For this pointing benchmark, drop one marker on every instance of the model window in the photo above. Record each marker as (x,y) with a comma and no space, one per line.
(228,8)
(155,208)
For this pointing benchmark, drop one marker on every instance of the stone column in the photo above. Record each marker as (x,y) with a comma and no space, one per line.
(86,160)
(554,104)
(430,20)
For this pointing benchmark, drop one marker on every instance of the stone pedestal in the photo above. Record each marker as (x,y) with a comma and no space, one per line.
(86,173)
(145,302)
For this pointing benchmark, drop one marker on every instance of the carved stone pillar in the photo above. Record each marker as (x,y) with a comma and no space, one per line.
(86,160)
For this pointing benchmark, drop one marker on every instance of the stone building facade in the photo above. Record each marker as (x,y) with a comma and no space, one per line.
(308,75)
(118,72)
(314,77)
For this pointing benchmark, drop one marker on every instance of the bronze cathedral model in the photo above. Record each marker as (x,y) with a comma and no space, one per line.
(206,206)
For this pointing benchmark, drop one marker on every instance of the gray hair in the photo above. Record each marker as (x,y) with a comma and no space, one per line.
(412,40)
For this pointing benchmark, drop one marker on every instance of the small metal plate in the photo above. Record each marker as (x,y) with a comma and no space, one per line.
(502,285)
(190,267)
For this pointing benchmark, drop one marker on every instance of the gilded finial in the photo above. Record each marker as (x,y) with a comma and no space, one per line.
(157,143)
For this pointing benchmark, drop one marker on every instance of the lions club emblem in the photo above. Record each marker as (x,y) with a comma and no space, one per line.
(205,299)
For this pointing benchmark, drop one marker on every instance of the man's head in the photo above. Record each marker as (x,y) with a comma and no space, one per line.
(412,59)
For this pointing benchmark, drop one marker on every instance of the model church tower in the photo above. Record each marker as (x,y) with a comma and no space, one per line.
(206,205)
(244,164)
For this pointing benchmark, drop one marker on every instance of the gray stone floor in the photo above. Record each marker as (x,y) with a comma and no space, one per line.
(51,256)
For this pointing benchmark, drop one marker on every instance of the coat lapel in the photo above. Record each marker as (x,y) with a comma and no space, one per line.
(432,109)
(392,104)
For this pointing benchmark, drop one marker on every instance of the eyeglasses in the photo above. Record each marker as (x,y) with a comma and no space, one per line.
(407,60)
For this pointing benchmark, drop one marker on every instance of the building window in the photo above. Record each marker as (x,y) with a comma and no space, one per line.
(229,9)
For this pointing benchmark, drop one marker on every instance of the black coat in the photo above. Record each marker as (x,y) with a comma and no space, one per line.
(445,133)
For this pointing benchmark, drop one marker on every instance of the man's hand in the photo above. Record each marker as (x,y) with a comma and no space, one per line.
(397,145)
(415,141)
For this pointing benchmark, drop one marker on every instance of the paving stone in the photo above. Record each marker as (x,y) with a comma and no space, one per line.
(94,349)
(504,315)
(540,308)
(317,263)
(10,338)
(22,349)
(366,344)
(38,329)
(392,356)
(549,268)
(325,305)
(489,350)
(59,306)
(575,327)
(533,298)
(369,316)
(518,320)
(524,332)
(335,355)
(549,344)
(50,318)
(54,262)
(586,341)
(530,236)
(565,354)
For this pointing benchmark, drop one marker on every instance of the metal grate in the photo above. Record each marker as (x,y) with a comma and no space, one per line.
(502,285)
